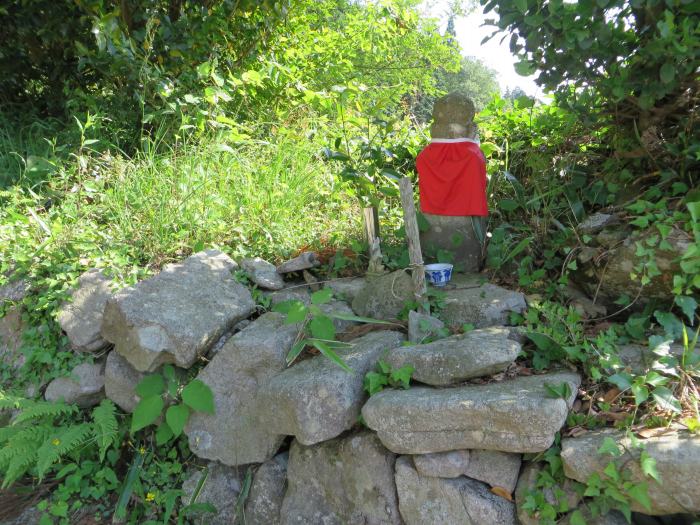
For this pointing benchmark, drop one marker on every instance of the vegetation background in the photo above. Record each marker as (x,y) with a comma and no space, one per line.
(135,133)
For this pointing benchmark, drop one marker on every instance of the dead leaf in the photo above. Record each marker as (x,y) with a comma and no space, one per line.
(611,395)
(500,491)
(614,416)
(647,433)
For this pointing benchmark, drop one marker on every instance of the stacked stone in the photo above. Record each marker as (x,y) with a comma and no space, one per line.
(448,450)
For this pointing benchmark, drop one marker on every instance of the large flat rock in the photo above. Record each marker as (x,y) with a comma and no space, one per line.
(677,462)
(81,318)
(234,434)
(481,304)
(512,416)
(459,357)
(348,481)
(177,315)
(316,400)
(429,500)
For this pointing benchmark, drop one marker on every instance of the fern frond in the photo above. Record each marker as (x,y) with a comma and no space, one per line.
(6,433)
(42,409)
(32,437)
(105,427)
(23,458)
(63,443)
(8,402)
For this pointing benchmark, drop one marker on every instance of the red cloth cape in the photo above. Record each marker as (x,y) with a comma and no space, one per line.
(452,179)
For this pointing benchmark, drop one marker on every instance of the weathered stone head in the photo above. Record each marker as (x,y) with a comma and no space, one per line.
(453,117)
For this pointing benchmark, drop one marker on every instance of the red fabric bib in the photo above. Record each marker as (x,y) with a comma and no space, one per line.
(452,179)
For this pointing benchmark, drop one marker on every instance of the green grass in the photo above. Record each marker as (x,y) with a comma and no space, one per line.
(261,198)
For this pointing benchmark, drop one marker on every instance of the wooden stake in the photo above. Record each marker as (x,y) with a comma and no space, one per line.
(371,216)
(414,251)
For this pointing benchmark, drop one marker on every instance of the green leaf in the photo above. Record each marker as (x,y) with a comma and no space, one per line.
(623,380)
(641,393)
(524,68)
(667,73)
(611,471)
(152,385)
(576,518)
(296,350)
(295,310)
(640,493)
(321,327)
(671,324)
(163,435)
(146,412)
(323,296)
(326,350)
(562,390)
(176,416)
(169,370)
(609,446)
(665,399)
(648,465)
(521,5)
(508,205)
(688,305)
(198,396)
(374,382)
(402,376)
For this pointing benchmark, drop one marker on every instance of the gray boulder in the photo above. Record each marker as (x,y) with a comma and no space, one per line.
(459,357)
(677,462)
(347,289)
(304,261)
(451,464)
(84,387)
(512,416)
(348,481)
(422,326)
(121,380)
(480,304)
(267,492)
(316,400)
(81,318)
(263,273)
(384,297)
(11,324)
(424,500)
(234,434)
(497,469)
(220,488)
(177,315)
(604,271)
(291,293)
(11,330)
(14,292)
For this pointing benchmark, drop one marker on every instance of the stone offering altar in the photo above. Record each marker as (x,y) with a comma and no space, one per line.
(452,183)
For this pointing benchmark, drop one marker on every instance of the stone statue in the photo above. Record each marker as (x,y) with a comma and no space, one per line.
(452,184)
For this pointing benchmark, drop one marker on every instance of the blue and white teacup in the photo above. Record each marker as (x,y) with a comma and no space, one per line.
(438,274)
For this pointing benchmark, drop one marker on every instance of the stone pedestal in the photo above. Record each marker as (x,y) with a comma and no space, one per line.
(455,235)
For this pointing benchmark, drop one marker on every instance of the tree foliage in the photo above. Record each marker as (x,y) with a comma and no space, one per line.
(639,58)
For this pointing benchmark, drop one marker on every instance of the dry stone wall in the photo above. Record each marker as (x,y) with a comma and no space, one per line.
(446,451)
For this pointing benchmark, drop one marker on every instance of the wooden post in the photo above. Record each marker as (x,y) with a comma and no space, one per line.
(371,216)
(414,251)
